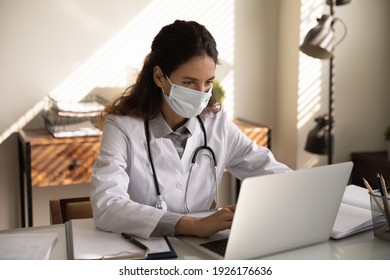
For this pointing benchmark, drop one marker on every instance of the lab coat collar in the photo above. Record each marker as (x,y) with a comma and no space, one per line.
(160,128)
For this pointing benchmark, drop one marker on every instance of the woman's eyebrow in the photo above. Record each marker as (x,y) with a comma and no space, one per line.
(195,79)
(189,78)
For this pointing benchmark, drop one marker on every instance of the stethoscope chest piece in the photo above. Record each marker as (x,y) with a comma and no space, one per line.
(161,204)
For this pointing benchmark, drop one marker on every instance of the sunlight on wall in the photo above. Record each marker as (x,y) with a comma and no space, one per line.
(310,69)
(309,78)
(22,121)
(116,63)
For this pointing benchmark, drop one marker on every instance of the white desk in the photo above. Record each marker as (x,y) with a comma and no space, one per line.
(362,246)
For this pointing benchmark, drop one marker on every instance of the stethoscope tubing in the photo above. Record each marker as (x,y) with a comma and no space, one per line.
(147,134)
(160,202)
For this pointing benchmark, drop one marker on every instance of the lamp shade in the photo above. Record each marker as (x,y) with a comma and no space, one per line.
(337,2)
(320,40)
(318,138)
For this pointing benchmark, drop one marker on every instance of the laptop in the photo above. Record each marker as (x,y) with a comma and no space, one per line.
(280,212)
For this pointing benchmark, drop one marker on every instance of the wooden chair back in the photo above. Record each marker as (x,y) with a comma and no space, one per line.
(65,209)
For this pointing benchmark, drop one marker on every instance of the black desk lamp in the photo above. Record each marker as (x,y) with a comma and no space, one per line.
(320,43)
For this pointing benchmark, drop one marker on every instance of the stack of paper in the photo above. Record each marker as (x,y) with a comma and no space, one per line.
(81,109)
(26,246)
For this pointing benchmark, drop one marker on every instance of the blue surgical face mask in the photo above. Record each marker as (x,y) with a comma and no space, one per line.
(186,102)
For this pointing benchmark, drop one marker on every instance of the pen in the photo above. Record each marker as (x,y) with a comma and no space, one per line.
(134,241)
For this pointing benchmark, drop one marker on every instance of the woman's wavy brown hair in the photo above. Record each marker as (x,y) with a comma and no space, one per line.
(173,46)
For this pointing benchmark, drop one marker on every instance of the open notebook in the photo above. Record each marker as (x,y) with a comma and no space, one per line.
(354,214)
(284,211)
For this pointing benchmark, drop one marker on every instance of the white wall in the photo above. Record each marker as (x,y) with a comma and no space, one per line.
(285,117)
(46,41)
(43,41)
(255,56)
(362,66)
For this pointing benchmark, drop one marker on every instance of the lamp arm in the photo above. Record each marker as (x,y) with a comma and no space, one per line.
(345,31)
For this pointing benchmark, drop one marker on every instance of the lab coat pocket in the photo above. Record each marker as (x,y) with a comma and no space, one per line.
(141,186)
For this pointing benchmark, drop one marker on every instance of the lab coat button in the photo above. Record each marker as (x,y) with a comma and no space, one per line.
(178,185)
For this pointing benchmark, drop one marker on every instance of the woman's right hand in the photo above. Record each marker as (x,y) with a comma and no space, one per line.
(206,226)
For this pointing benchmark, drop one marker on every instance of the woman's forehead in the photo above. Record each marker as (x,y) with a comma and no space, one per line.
(199,67)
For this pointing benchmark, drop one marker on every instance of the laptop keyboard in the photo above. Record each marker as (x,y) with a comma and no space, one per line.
(217,246)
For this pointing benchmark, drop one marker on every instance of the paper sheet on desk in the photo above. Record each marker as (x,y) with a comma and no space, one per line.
(26,246)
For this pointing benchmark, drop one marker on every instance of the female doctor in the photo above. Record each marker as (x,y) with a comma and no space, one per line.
(166,143)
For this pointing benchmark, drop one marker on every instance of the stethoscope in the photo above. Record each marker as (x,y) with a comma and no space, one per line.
(161,203)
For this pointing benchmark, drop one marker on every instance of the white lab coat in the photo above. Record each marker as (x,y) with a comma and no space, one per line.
(123,192)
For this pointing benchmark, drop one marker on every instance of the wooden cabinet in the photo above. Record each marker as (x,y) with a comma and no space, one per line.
(261,134)
(45,161)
